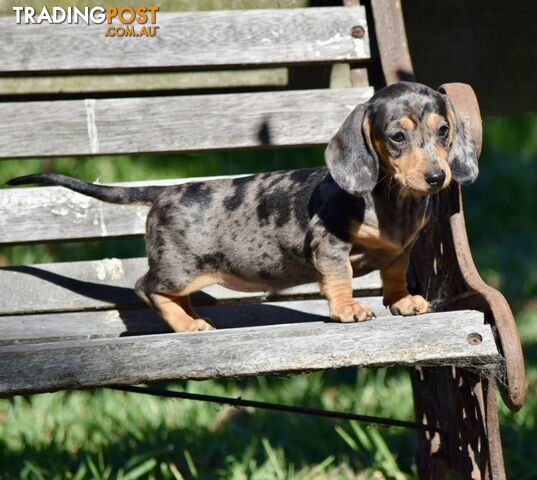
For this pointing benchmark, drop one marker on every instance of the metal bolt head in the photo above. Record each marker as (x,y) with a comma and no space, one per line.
(474,339)
(358,31)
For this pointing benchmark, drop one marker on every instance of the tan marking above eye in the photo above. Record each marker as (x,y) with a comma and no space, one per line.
(407,123)
(433,120)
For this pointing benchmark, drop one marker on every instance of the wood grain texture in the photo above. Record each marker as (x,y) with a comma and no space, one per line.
(109,283)
(175,123)
(186,40)
(55,213)
(54,327)
(432,339)
(143,82)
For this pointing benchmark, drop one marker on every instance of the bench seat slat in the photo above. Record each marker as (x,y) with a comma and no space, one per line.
(108,283)
(52,327)
(186,40)
(431,339)
(175,123)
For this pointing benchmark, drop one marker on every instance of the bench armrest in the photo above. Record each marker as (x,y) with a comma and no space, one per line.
(444,271)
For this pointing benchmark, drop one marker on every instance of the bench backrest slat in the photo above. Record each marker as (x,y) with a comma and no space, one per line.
(148,82)
(179,123)
(189,40)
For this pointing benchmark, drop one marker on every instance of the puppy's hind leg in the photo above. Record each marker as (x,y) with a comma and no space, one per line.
(173,307)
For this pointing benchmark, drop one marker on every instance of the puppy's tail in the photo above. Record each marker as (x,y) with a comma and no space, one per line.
(125,195)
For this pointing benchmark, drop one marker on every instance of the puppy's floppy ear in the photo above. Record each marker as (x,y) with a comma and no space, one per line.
(462,156)
(350,157)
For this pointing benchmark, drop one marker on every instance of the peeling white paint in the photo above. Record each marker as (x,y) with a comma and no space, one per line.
(109,269)
(58,201)
(276,32)
(62,211)
(91,126)
(141,212)
(112,316)
(337,39)
(100,271)
(81,215)
(104,230)
(359,48)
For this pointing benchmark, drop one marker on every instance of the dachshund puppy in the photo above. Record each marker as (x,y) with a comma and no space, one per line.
(275,230)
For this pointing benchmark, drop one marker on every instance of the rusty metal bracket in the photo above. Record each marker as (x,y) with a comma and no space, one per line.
(513,392)
(391,41)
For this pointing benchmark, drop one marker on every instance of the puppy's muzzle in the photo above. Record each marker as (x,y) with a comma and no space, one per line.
(435,178)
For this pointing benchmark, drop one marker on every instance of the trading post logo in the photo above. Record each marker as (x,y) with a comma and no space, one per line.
(120,21)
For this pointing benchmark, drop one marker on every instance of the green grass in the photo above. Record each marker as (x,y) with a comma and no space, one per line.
(519,429)
(110,434)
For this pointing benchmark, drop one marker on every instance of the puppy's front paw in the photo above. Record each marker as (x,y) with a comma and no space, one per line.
(410,305)
(199,325)
(354,312)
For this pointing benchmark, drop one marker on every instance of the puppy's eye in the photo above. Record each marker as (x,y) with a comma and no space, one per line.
(398,137)
(443,131)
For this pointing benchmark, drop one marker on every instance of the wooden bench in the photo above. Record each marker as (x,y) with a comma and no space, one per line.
(79,325)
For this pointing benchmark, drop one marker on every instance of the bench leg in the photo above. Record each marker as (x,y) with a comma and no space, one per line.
(463,404)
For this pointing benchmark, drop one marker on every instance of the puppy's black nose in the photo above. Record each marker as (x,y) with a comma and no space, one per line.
(435,177)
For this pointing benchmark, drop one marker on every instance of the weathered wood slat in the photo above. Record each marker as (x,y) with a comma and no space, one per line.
(432,339)
(186,40)
(101,284)
(143,82)
(172,124)
(52,327)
